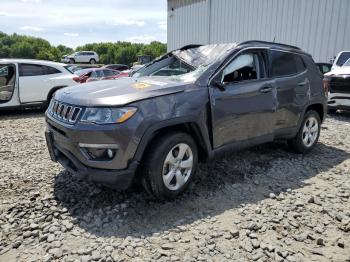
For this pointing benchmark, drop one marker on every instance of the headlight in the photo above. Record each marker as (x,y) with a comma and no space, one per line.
(108,115)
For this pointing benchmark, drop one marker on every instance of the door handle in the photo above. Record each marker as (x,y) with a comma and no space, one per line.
(266,89)
(303,83)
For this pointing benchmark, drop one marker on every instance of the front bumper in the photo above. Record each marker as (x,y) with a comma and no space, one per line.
(339,101)
(63,145)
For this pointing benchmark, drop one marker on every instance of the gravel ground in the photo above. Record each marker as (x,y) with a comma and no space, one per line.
(261,204)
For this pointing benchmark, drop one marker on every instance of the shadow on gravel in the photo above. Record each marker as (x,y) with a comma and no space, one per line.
(245,177)
(21,114)
(341,115)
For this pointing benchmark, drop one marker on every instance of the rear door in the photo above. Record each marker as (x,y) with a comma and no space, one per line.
(243,101)
(34,82)
(293,86)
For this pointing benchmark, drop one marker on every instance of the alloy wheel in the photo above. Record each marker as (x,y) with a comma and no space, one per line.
(177,167)
(310,131)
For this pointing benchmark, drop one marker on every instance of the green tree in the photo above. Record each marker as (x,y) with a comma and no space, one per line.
(21,46)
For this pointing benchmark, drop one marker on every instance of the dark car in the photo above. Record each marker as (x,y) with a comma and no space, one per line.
(95,74)
(118,67)
(324,67)
(231,96)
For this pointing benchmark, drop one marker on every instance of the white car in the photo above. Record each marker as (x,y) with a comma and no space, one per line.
(26,82)
(338,83)
(341,58)
(82,57)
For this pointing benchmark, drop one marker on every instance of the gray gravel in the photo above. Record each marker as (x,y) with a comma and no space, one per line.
(261,204)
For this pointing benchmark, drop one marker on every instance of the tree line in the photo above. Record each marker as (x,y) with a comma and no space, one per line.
(22,46)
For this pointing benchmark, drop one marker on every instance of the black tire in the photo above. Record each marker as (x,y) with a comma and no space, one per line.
(154,160)
(92,61)
(71,61)
(332,111)
(297,143)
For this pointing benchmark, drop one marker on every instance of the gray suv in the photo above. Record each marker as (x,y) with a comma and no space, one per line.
(183,108)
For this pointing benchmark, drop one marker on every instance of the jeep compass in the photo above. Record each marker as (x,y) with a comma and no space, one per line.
(185,107)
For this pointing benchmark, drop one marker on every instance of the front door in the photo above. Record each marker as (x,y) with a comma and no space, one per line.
(243,101)
(7,82)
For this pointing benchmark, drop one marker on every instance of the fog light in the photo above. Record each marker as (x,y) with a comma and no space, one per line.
(110,153)
(98,152)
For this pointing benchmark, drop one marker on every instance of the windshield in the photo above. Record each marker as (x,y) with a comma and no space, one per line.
(347,63)
(344,56)
(191,76)
(185,60)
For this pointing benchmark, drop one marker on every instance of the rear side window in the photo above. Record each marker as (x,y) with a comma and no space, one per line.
(285,63)
(36,70)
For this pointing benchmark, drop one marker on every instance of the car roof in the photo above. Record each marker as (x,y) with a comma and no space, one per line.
(31,61)
(272,45)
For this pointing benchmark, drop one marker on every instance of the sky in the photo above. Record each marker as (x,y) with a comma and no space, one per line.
(77,22)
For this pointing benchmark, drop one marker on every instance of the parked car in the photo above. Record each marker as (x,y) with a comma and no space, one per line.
(118,67)
(337,81)
(324,67)
(340,59)
(231,96)
(82,57)
(124,73)
(26,82)
(74,68)
(96,74)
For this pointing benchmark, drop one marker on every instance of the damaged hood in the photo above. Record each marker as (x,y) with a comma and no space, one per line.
(204,55)
(118,92)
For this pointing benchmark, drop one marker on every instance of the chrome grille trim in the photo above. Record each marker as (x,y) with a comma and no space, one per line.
(64,112)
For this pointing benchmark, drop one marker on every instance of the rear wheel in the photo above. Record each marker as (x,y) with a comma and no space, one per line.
(308,134)
(169,165)
(92,61)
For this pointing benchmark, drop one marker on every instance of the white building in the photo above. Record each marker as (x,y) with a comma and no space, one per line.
(320,27)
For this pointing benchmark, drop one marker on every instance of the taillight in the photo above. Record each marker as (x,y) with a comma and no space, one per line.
(326,85)
(76,79)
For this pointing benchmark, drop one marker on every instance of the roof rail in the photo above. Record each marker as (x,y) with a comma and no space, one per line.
(270,43)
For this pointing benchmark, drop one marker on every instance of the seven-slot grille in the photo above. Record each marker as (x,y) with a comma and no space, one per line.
(64,112)
(339,85)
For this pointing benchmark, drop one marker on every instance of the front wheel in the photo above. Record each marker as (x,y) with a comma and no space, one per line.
(308,134)
(169,165)
(71,61)
(92,61)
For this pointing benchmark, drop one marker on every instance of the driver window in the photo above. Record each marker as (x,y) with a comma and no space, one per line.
(7,82)
(242,68)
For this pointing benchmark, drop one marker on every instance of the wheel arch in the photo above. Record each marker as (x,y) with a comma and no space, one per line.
(319,108)
(51,92)
(190,127)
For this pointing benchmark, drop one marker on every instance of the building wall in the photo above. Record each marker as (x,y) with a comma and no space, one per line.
(320,27)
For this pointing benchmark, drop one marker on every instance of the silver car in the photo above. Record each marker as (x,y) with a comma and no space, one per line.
(82,57)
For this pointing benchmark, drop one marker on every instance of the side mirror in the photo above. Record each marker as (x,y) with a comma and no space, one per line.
(219,85)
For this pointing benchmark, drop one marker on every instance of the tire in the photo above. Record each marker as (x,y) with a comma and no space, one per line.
(71,61)
(332,111)
(92,61)
(308,134)
(163,158)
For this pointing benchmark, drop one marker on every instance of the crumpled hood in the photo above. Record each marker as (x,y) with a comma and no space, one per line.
(345,70)
(118,92)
